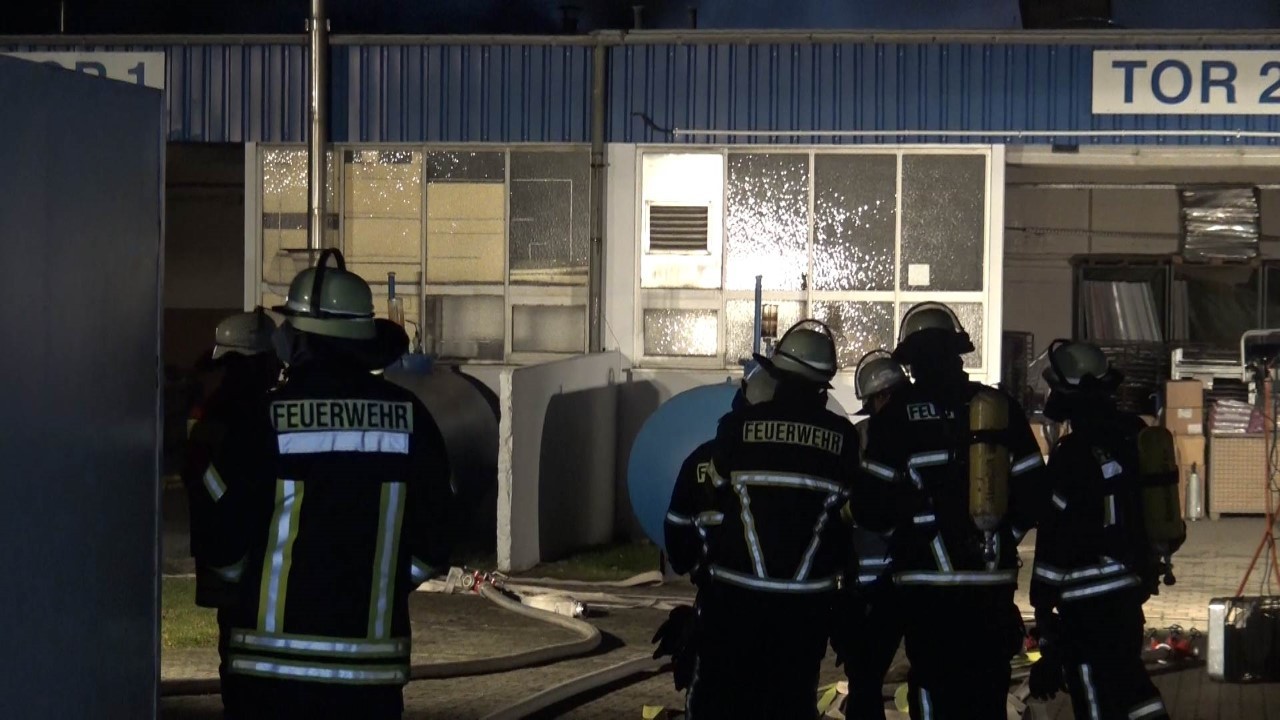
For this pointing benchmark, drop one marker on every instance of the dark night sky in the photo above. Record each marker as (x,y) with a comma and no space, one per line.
(543,16)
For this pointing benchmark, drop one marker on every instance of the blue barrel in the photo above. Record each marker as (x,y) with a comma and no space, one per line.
(670,434)
(673,431)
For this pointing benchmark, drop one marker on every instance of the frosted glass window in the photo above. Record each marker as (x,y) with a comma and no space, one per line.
(740,325)
(680,333)
(548,328)
(854,207)
(285,212)
(467,327)
(767,220)
(943,212)
(971,317)
(456,165)
(859,327)
(550,224)
(465,238)
(383,205)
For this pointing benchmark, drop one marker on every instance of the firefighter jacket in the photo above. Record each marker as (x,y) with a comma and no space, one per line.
(208,464)
(870,547)
(918,447)
(1091,541)
(345,513)
(692,514)
(781,470)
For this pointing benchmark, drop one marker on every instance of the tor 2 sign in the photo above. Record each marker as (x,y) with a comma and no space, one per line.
(1186,82)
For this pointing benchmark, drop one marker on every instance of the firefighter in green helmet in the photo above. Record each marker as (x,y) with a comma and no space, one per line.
(345,512)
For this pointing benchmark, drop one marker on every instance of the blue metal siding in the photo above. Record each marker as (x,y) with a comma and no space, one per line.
(881,87)
(541,92)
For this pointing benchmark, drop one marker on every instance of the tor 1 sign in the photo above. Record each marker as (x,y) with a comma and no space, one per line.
(140,68)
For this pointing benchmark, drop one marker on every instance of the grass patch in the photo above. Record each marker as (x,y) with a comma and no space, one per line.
(182,624)
(602,564)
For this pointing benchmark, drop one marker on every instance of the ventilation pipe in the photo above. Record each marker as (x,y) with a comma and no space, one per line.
(318,111)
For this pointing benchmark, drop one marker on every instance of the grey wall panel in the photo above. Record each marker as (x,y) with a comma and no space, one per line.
(80,267)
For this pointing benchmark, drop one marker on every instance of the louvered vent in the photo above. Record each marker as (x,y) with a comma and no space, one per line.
(677,228)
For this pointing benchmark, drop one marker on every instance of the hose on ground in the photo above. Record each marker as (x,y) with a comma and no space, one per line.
(588,640)
(572,688)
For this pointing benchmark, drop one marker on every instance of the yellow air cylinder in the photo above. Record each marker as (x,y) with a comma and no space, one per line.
(988,460)
(1158,467)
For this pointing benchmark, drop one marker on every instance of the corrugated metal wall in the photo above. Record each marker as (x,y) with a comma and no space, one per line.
(801,87)
(541,91)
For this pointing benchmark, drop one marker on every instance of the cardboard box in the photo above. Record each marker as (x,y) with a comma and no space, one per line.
(1183,394)
(1190,450)
(1184,421)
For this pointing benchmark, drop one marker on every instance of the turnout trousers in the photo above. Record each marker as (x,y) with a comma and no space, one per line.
(959,642)
(758,654)
(874,633)
(255,698)
(1102,641)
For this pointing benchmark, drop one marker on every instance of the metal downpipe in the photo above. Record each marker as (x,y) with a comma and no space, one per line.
(318,115)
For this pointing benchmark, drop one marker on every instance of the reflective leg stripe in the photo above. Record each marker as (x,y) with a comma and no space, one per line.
(926,705)
(275,577)
(771,585)
(335,441)
(1059,501)
(321,672)
(1026,464)
(967,577)
(749,530)
(884,472)
(1109,510)
(678,519)
(1148,709)
(230,573)
(1090,693)
(317,645)
(419,571)
(213,483)
(1048,574)
(832,500)
(1101,588)
(385,559)
(940,554)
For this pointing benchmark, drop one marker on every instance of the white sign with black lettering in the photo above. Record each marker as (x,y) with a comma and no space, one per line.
(140,68)
(1186,82)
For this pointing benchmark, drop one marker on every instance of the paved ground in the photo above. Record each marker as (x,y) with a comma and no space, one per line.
(455,627)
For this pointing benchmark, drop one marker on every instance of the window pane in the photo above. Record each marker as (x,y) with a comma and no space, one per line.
(943,211)
(466,165)
(465,239)
(285,212)
(550,217)
(548,328)
(383,208)
(768,221)
(854,205)
(469,327)
(740,316)
(970,314)
(859,327)
(682,333)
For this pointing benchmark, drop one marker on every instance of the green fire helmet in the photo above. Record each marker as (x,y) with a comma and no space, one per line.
(877,372)
(243,334)
(1074,364)
(806,351)
(927,316)
(330,301)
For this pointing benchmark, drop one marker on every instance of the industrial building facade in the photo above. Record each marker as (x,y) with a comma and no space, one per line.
(856,174)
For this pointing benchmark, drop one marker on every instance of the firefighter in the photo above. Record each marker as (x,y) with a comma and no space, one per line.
(969,476)
(780,466)
(870,623)
(344,513)
(249,369)
(1095,564)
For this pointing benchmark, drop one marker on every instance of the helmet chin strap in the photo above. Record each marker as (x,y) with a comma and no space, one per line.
(318,283)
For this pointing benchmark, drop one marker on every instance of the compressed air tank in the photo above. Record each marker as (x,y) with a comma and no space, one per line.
(467,412)
(674,430)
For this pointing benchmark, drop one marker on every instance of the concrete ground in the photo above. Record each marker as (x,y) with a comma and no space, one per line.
(1211,564)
